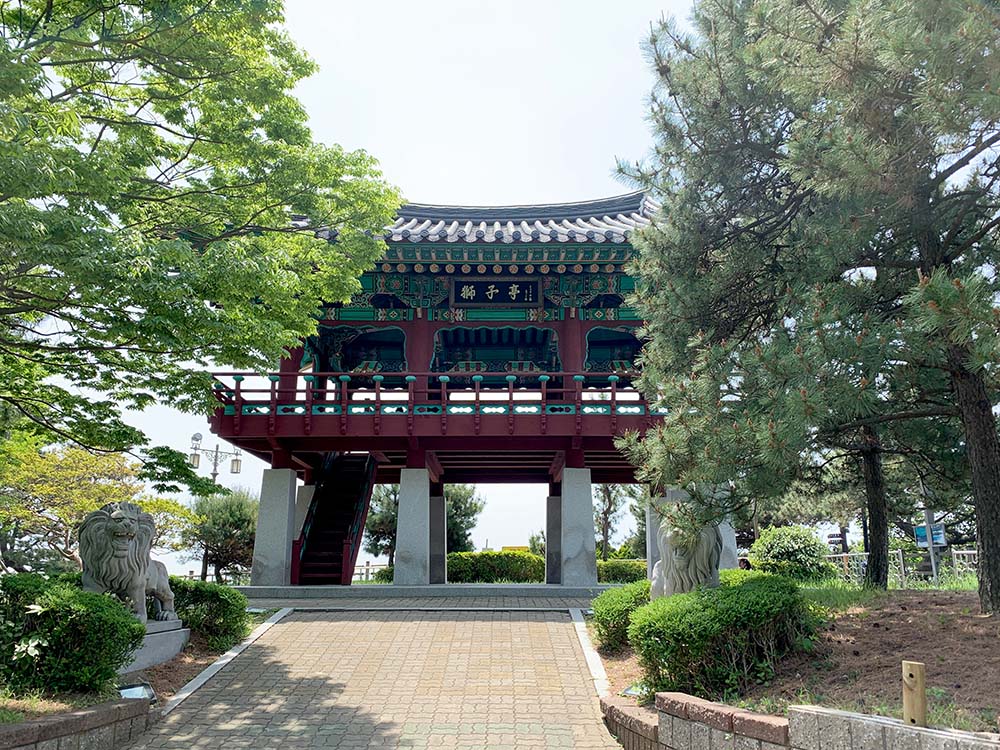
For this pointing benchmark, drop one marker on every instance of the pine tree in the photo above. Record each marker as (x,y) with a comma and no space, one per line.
(821,280)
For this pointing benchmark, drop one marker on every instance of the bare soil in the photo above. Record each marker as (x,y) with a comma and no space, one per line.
(856,663)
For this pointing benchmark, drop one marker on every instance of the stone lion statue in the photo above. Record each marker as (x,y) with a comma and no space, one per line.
(114,546)
(685,565)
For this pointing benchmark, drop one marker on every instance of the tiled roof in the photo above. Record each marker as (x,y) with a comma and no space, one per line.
(604,220)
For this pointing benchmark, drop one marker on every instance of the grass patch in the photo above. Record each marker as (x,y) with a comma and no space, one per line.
(28,706)
(947,581)
(942,711)
(258,618)
(836,595)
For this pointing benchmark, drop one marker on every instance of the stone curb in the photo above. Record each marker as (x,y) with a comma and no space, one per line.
(590,655)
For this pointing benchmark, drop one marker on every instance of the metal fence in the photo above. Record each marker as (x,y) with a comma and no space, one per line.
(851,566)
(366,573)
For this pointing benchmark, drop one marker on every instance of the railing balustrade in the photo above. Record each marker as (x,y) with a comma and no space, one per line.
(422,394)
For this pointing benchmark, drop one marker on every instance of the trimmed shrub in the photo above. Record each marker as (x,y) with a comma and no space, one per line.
(716,642)
(738,576)
(494,567)
(54,637)
(791,551)
(621,571)
(612,610)
(383,575)
(217,612)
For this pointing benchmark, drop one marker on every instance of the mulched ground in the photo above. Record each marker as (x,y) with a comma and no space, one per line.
(171,676)
(856,665)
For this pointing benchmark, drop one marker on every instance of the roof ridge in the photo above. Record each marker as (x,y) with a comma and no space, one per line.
(634,202)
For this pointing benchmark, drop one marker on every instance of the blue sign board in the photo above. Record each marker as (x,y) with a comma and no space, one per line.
(937,534)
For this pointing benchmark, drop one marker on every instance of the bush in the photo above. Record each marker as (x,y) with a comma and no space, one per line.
(620,571)
(791,551)
(716,642)
(383,575)
(54,637)
(219,613)
(612,610)
(738,576)
(493,567)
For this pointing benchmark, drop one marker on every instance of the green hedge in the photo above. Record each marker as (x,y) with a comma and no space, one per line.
(621,571)
(54,637)
(791,551)
(383,575)
(716,642)
(495,567)
(612,610)
(219,613)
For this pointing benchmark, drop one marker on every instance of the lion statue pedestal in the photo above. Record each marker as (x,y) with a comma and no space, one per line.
(115,543)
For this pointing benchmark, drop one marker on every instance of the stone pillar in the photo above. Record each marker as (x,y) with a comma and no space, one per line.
(412,559)
(578,564)
(652,548)
(553,539)
(438,541)
(303,499)
(272,549)
(730,554)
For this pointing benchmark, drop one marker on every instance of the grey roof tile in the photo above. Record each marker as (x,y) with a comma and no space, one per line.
(603,220)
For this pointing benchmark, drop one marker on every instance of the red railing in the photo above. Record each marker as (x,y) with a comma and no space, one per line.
(416,395)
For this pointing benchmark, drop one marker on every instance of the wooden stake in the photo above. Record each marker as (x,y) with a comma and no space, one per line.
(914,694)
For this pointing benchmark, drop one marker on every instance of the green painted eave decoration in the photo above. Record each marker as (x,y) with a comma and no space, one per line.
(477,253)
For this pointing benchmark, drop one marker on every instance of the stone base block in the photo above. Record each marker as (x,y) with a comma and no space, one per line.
(163,641)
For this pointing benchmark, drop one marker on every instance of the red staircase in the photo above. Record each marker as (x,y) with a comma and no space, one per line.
(328,549)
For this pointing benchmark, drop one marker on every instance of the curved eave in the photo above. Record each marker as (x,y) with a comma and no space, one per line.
(596,221)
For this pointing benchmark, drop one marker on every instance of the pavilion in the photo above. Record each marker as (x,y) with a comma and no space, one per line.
(490,344)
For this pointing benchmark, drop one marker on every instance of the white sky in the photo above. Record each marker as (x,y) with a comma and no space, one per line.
(471,102)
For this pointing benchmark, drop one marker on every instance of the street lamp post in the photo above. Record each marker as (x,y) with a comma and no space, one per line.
(215,457)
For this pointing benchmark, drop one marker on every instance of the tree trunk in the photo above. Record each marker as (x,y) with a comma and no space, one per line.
(605,533)
(877,569)
(844,546)
(218,574)
(864,530)
(983,450)
(392,554)
(204,563)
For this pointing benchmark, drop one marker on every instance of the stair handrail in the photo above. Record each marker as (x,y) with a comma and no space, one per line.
(313,502)
(351,548)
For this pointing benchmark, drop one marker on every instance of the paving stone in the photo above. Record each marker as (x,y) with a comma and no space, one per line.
(387,678)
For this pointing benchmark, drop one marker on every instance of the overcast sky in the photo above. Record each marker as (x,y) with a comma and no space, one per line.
(476,103)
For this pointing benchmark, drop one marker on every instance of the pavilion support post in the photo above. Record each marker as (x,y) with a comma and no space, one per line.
(413,529)
(272,549)
(438,553)
(652,548)
(303,499)
(553,534)
(730,558)
(578,564)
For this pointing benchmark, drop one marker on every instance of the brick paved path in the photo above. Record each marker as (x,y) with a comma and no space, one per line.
(428,602)
(397,679)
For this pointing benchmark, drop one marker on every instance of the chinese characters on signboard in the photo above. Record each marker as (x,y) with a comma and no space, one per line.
(496,293)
